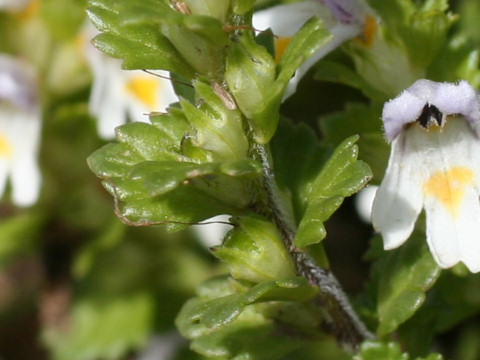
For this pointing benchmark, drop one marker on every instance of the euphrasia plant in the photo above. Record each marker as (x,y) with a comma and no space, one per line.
(224,148)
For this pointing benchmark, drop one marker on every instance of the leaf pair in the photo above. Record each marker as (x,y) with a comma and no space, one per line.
(250,332)
(188,165)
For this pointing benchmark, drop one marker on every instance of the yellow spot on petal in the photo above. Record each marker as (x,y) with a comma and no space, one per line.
(280,46)
(6,149)
(370,28)
(30,10)
(448,187)
(145,90)
(80,41)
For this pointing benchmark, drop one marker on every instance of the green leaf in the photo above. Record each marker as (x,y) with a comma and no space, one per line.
(188,165)
(363,120)
(337,72)
(373,350)
(247,340)
(311,37)
(385,64)
(468,26)
(140,46)
(426,34)
(63,18)
(341,176)
(121,280)
(18,235)
(179,192)
(254,251)
(222,311)
(220,323)
(422,30)
(102,330)
(443,310)
(297,158)
(459,60)
(468,347)
(205,57)
(405,276)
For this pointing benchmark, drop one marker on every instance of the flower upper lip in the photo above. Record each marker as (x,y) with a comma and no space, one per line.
(447,98)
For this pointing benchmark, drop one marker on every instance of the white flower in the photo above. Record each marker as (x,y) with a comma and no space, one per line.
(118,94)
(345,19)
(14,5)
(20,128)
(434,164)
(364,203)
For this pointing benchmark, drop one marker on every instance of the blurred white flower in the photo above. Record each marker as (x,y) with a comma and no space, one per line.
(434,164)
(118,95)
(364,203)
(14,5)
(20,130)
(345,19)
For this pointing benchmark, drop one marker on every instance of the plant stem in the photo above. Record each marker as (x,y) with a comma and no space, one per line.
(342,321)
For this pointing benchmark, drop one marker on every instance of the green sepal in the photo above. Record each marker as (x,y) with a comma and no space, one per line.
(241,7)
(254,251)
(214,8)
(218,130)
(405,274)
(250,76)
(342,176)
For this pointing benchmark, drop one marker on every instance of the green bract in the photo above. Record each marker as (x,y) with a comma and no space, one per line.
(197,156)
(254,251)
(342,176)
(228,321)
(258,85)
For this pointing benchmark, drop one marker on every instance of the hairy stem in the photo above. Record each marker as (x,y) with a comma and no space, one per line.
(342,321)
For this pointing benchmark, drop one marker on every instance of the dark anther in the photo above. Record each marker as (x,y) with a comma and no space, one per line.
(430,116)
